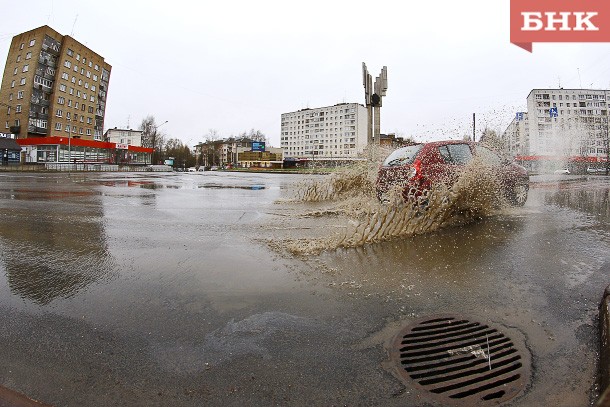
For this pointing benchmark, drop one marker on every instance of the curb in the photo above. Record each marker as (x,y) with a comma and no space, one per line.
(604,355)
(10,398)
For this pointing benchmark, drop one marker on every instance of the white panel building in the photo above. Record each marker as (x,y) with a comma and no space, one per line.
(561,122)
(333,132)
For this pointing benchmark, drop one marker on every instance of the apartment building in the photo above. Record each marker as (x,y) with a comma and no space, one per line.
(126,137)
(333,132)
(53,86)
(561,123)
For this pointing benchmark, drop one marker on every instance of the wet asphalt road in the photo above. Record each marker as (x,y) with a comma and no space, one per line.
(162,289)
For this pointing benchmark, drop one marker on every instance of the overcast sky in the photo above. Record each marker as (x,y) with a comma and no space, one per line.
(238,65)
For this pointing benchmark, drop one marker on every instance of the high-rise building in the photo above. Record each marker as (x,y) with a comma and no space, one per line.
(561,123)
(338,131)
(53,86)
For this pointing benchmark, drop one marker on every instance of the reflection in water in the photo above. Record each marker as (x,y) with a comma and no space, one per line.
(591,199)
(52,245)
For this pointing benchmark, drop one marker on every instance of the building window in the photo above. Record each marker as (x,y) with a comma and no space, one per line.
(80,130)
(92,98)
(22,81)
(26,68)
(18,109)
(67,64)
(58,126)
(62,87)
(20,94)
(70,52)
(28,55)
(88,132)
(32,42)
(78,57)
(61,100)
(10,97)
(68,116)
(21,46)
(73,79)
(59,113)
(97,68)
(12,84)
(72,91)
(18,58)
(95,78)
(84,60)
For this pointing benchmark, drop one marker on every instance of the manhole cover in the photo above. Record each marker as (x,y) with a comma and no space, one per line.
(462,362)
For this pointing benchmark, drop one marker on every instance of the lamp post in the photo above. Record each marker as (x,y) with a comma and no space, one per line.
(69,144)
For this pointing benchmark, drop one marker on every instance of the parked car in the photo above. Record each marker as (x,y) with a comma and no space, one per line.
(593,170)
(562,171)
(418,167)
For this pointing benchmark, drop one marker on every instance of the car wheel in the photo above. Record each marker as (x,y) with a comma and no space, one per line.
(519,195)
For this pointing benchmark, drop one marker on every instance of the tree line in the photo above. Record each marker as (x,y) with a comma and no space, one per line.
(165,147)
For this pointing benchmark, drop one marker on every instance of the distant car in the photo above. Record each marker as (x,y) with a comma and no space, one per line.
(562,171)
(418,167)
(591,170)
(192,169)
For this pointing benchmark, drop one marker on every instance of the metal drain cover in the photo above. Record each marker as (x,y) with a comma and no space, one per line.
(462,362)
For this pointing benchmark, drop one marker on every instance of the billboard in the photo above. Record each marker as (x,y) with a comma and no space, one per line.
(258,146)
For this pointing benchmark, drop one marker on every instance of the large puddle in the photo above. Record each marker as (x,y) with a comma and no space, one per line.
(346,202)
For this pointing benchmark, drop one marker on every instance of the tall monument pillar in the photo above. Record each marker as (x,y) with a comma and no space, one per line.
(373,100)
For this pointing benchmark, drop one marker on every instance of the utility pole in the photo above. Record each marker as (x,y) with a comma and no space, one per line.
(474,125)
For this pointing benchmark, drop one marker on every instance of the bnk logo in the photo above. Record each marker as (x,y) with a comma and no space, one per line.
(559,21)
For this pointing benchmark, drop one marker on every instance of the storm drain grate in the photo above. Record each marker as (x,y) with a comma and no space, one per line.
(462,362)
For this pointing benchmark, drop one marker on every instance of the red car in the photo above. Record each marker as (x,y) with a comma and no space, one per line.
(416,168)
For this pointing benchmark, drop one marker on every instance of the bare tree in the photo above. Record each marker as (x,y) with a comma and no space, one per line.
(254,135)
(152,137)
(212,135)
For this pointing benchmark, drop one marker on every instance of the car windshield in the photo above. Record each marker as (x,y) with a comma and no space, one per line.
(402,156)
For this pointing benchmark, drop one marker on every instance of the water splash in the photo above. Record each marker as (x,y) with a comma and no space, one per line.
(350,196)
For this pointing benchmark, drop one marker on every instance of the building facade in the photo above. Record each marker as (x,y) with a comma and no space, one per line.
(128,137)
(333,132)
(53,86)
(561,122)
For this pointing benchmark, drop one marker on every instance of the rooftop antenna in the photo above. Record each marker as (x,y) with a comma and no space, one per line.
(128,117)
(559,82)
(73,24)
